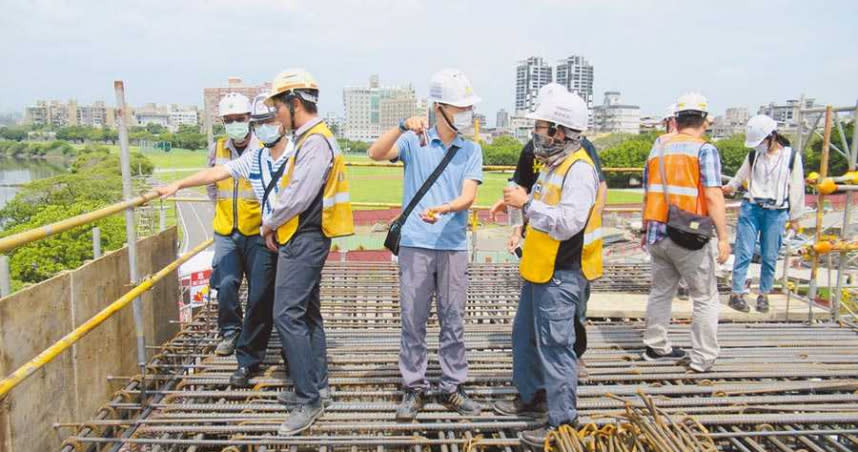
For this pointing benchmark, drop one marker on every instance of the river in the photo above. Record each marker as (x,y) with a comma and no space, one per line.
(16,172)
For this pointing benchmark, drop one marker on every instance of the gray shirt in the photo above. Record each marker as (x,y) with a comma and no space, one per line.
(569,217)
(312,163)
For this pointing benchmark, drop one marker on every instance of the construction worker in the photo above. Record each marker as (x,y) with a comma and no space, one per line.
(236,218)
(526,173)
(311,206)
(669,124)
(774,177)
(433,257)
(684,170)
(556,265)
(257,166)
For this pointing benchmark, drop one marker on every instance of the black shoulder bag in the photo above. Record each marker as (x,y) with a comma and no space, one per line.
(394,234)
(686,229)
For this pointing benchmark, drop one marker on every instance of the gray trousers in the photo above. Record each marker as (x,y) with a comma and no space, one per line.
(670,262)
(422,273)
(297,313)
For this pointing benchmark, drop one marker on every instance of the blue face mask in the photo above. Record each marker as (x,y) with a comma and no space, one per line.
(268,134)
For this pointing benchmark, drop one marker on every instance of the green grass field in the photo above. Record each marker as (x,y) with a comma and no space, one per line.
(383,185)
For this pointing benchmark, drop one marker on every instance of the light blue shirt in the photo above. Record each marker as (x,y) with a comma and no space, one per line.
(449,233)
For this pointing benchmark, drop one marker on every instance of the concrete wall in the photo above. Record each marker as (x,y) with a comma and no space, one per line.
(73,386)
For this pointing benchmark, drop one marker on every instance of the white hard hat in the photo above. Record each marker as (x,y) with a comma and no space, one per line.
(759,127)
(451,87)
(261,111)
(557,105)
(692,102)
(233,104)
(669,112)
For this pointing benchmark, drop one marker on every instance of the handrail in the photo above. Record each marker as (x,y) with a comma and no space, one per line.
(485,167)
(22,238)
(48,355)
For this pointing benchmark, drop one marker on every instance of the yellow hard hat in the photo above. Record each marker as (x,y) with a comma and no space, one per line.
(297,80)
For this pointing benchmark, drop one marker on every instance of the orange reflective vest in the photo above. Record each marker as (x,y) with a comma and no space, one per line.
(682,171)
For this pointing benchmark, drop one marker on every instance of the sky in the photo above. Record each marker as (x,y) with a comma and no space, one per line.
(737,53)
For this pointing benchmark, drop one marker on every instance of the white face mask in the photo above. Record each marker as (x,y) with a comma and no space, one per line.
(237,130)
(268,134)
(463,120)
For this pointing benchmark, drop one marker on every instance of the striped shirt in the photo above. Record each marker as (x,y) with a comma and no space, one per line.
(710,177)
(257,166)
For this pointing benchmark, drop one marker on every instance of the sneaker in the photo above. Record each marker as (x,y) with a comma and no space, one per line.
(536,438)
(289,397)
(226,346)
(300,419)
(674,355)
(763,303)
(694,367)
(459,402)
(582,369)
(241,377)
(412,403)
(738,303)
(537,409)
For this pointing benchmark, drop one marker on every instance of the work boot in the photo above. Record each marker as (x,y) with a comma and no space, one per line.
(737,302)
(226,346)
(300,419)
(536,409)
(763,303)
(582,369)
(674,355)
(459,402)
(412,403)
(536,438)
(290,398)
(241,377)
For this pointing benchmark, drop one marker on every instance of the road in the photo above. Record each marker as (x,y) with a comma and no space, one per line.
(195,219)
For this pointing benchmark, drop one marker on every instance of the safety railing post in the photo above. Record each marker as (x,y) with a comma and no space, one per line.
(5,276)
(96,242)
(162,217)
(820,205)
(130,231)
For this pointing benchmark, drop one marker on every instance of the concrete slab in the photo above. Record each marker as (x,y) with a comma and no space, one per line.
(633,306)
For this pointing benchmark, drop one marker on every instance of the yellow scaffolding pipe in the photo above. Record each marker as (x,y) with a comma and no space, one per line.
(22,238)
(63,344)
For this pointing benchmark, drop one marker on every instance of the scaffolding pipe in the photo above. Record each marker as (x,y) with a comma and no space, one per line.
(75,335)
(130,227)
(820,199)
(847,214)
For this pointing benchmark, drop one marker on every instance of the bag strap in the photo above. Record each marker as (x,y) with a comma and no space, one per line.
(275,177)
(428,184)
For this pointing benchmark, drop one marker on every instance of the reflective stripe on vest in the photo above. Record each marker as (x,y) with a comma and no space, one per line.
(682,170)
(540,249)
(236,201)
(337,218)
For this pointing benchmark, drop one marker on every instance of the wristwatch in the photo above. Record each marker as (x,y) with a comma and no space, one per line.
(402,127)
(524,207)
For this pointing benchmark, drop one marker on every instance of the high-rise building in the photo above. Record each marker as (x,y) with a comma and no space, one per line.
(52,113)
(482,119)
(183,116)
(96,115)
(786,115)
(211,96)
(372,109)
(502,120)
(530,75)
(615,117)
(733,122)
(576,74)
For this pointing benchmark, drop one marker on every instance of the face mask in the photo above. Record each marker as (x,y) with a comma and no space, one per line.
(549,151)
(237,130)
(268,134)
(762,147)
(463,120)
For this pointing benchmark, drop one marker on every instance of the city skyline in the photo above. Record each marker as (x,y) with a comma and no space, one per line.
(727,50)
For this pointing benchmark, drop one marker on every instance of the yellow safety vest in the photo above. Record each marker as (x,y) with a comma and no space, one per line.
(540,249)
(237,206)
(337,219)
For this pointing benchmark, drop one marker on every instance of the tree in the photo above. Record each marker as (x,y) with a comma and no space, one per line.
(13,133)
(504,150)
